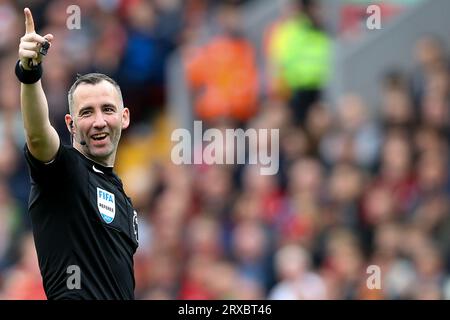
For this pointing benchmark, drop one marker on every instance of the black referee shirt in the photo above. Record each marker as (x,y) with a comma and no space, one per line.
(82,218)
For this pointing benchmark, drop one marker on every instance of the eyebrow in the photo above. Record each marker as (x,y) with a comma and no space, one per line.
(89,107)
(109,105)
(85,108)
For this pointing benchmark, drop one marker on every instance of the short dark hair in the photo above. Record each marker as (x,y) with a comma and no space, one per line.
(90,78)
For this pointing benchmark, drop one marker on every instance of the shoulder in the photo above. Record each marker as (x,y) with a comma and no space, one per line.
(65,162)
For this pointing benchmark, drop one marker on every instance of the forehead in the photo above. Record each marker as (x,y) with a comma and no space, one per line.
(96,94)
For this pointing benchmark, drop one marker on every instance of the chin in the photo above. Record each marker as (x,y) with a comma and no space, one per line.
(101,154)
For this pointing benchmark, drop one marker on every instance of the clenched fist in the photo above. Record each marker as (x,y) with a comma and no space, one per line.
(31,43)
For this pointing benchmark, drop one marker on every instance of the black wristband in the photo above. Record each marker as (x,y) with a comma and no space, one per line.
(28,76)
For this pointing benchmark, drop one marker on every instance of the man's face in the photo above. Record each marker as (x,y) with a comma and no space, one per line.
(98,121)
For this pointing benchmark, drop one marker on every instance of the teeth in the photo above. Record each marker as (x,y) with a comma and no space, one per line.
(99,136)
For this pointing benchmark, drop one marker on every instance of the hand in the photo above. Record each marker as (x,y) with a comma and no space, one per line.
(30,43)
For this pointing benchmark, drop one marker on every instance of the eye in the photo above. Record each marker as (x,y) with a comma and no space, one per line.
(85,113)
(109,109)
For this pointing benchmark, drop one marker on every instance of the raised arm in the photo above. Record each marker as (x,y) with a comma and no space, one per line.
(42,139)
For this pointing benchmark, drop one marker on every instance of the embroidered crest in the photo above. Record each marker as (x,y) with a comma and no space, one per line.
(106,204)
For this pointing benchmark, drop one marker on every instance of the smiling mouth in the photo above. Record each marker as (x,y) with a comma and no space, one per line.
(99,136)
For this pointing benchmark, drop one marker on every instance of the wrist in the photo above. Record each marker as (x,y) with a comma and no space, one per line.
(28,75)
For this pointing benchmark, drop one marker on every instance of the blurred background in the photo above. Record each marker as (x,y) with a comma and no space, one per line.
(364,143)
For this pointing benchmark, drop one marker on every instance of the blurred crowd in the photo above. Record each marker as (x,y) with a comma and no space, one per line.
(358,184)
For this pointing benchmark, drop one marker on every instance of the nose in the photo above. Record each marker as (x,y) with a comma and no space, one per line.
(99,121)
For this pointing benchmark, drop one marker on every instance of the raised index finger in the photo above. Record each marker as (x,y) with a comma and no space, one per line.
(29,23)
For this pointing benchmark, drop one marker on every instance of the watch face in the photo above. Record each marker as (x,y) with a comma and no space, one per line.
(44,48)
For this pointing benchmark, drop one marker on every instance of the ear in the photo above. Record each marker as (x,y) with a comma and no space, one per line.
(125,118)
(68,119)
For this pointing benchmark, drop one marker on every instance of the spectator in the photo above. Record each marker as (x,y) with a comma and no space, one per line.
(355,137)
(297,281)
(215,69)
(298,54)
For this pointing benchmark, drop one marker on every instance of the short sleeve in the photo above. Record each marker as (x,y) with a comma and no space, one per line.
(57,169)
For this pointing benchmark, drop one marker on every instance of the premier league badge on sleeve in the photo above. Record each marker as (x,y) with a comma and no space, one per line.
(106,205)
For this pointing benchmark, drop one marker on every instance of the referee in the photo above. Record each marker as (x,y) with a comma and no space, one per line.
(84,225)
